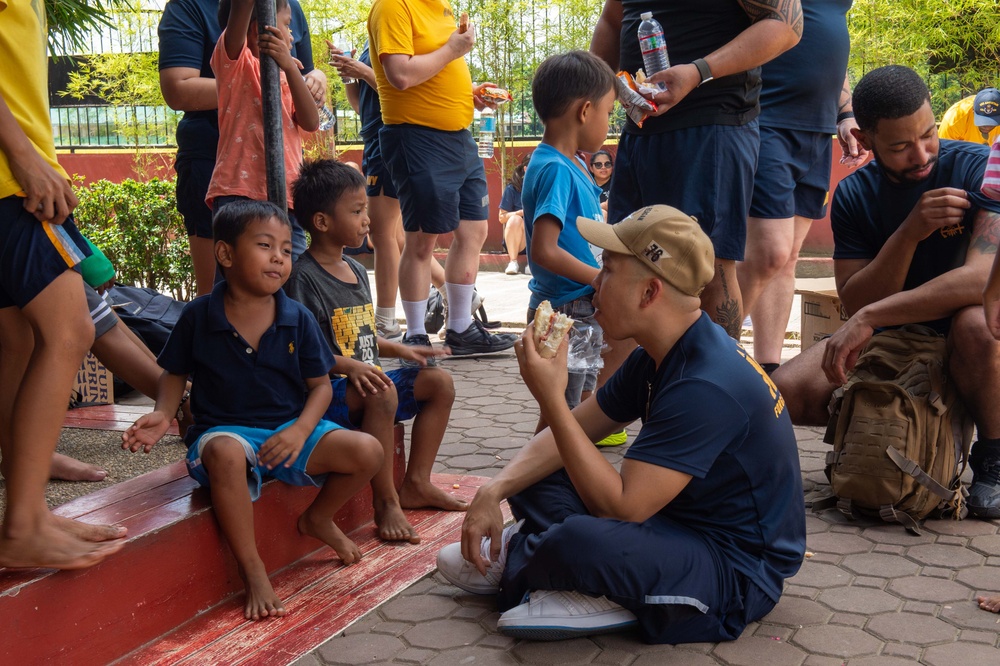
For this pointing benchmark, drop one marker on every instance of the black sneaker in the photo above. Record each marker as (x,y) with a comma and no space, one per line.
(984,493)
(477,341)
(418,340)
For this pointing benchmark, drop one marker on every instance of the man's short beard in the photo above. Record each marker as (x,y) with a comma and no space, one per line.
(903,177)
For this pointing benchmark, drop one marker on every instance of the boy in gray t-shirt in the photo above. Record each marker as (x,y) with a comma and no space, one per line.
(331,204)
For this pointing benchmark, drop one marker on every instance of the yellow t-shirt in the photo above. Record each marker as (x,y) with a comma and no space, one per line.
(958,124)
(24,81)
(418,27)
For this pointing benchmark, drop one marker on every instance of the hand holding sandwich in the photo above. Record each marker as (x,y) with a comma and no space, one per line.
(541,355)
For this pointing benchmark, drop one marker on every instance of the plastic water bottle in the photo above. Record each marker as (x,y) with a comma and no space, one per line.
(653,45)
(487,129)
(327,121)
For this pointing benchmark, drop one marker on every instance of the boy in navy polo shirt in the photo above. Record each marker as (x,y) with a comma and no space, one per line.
(574,95)
(331,204)
(258,365)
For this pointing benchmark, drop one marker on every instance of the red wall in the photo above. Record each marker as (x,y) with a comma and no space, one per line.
(119,165)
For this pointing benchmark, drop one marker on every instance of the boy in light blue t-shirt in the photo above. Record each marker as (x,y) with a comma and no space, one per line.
(574,95)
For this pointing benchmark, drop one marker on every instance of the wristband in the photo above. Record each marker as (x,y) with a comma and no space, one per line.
(841,117)
(703,70)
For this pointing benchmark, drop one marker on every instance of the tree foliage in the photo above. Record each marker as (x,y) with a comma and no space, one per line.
(954,44)
(71,21)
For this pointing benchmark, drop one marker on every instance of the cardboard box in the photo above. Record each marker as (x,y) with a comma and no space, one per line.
(94,383)
(822,314)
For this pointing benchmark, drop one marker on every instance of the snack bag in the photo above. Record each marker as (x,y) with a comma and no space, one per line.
(636,106)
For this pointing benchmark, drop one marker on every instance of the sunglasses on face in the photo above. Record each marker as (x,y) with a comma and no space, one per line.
(601,165)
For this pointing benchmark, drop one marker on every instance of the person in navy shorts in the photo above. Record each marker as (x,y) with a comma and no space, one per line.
(258,365)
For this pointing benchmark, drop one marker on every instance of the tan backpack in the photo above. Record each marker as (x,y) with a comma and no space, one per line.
(900,433)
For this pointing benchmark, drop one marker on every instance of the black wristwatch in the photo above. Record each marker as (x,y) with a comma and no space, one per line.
(703,70)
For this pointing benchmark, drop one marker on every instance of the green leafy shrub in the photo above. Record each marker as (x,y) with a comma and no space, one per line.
(138,227)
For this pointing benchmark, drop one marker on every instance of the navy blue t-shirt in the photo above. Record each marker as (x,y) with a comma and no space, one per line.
(188,32)
(711,412)
(868,208)
(234,384)
(802,86)
(692,30)
(369,107)
(511,199)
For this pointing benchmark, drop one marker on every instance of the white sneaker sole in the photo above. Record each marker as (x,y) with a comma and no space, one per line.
(551,632)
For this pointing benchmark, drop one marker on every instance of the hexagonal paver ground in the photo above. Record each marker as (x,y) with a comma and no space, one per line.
(872,595)
(911,628)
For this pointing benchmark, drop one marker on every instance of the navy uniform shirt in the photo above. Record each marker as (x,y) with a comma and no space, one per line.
(802,85)
(188,32)
(369,108)
(868,208)
(711,412)
(234,384)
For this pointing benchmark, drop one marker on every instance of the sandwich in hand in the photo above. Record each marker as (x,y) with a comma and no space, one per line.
(550,328)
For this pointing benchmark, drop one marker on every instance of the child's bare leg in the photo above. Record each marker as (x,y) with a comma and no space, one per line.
(991,603)
(434,388)
(18,341)
(378,418)
(350,459)
(31,535)
(226,463)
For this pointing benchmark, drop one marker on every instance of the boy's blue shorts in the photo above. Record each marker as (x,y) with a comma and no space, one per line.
(793,174)
(438,175)
(706,172)
(406,409)
(375,170)
(252,439)
(33,253)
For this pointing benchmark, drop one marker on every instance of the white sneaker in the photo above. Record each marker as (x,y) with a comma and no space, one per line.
(391,331)
(512,268)
(554,615)
(464,575)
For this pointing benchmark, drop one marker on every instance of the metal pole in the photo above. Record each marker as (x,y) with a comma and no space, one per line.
(274,146)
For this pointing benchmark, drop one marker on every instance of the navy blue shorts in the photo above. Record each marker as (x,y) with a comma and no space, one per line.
(706,172)
(376,173)
(678,583)
(193,178)
(439,177)
(406,409)
(103,316)
(793,174)
(33,253)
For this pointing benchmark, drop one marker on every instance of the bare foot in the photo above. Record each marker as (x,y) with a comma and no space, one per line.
(71,469)
(991,604)
(324,529)
(89,532)
(261,600)
(52,547)
(392,523)
(424,495)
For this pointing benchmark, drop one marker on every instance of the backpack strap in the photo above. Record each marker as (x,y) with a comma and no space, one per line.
(919,475)
(846,507)
(890,515)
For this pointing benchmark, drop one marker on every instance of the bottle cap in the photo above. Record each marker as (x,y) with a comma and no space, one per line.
(645,16)
(96,269)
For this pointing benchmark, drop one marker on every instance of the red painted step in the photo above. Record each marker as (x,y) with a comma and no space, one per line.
(176,566)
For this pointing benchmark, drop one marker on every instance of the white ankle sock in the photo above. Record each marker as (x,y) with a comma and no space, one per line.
(459,305)
(385,316)
(415,311)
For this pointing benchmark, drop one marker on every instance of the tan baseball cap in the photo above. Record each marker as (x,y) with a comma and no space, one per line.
(663,238)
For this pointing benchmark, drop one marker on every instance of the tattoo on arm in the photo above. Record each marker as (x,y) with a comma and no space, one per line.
(786,11)
(844,103)
(985,233)
(727,313)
